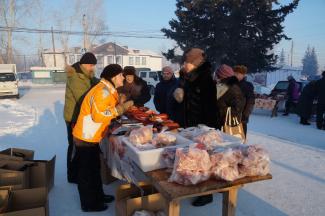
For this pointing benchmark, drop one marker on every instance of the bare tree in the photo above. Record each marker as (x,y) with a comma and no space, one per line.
(13,13)
(85,16)
(92,20)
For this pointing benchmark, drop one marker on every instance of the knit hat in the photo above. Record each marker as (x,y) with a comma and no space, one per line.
(290,78)
(88,58)
(129,70)
(240,69)
(111,71)
(194,56)
(224,71)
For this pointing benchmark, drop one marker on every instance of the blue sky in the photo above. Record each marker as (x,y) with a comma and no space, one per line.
(305,26)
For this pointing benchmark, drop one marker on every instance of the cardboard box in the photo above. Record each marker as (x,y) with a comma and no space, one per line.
(129,199)
(16,154)
(12,180)
(4,200)
(27,174)
(29,212)
(42,173)
(27,202)
(15,173)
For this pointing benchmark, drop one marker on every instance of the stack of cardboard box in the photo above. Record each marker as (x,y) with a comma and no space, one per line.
(131,198)
(24,183)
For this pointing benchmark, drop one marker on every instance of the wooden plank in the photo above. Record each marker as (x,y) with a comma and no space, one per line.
(173,208)
(172,191)
(229,202)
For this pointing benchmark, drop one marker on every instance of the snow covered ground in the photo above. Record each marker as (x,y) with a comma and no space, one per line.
(298,158)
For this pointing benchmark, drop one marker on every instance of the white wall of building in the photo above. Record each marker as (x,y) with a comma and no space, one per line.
(155,63)
(281,75)
(49,60)
(138,60)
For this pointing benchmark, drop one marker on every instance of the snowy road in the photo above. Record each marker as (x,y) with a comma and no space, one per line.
(298,158)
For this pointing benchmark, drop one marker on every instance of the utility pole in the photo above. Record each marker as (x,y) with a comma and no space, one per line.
(291,53)
(11,23)
(25,63)
(85,27)
(54,58)
(115,52)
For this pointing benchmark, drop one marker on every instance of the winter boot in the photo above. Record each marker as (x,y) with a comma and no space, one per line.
(203,200)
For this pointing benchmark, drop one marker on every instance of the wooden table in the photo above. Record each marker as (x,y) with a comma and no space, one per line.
(173,192)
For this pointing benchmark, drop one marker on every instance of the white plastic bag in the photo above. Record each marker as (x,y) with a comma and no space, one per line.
(191,166)
(225,164)
(210,139)
(164,139)
(141,135)
(256,161)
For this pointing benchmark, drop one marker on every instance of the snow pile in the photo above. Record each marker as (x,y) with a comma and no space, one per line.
(16,118)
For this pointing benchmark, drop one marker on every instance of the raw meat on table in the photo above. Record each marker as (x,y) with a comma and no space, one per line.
(141,136)
(225,164)
(256,161)
(191,166)
(210,139)
(164,139)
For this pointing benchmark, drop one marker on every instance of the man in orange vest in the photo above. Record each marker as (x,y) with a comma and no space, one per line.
(100,106)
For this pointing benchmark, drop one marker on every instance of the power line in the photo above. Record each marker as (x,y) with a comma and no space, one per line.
(131,34)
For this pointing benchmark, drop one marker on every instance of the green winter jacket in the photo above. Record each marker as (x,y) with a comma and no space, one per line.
(78,84)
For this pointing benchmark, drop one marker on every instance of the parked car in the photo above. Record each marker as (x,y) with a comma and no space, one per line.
(8,80)
(152,78)
(280,89)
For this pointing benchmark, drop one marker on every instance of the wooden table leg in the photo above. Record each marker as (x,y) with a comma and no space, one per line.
(229,202)
(173,208)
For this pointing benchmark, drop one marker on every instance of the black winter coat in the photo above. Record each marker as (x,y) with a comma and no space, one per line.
(164,91)
(305,103)
(199,104)
(248,91)
(229,95)
(138,91)
(320,90)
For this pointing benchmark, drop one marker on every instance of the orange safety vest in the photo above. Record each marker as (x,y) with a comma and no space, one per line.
(97,111)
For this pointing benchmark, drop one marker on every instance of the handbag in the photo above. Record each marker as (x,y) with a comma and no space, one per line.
(233,127)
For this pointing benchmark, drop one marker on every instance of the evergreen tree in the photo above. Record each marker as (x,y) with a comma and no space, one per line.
(309,62)
(232,31)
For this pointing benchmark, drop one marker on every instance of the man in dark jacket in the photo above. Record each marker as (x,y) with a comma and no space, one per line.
(305,103)
(293,93)
(197,95)
(320,92)
(247,89)
(80,78)
(134,88)
(164,89)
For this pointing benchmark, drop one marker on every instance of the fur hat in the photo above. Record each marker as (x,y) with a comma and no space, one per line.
(194,56)
(129,70)
(240,69)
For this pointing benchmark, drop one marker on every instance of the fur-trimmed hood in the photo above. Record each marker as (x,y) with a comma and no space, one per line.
(76,68)
(69,70)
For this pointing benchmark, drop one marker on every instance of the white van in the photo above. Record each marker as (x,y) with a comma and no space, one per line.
(8,80)
(151,77)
